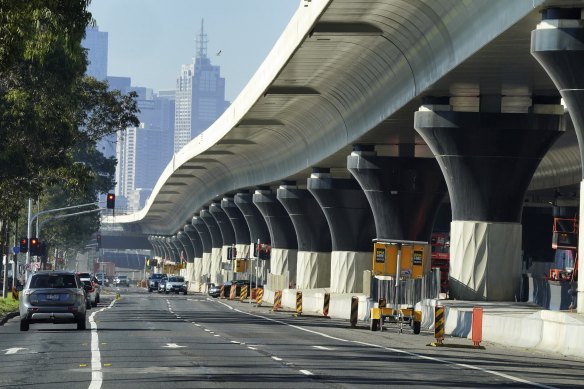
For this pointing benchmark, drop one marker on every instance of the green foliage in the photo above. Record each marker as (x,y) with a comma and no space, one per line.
(51,115)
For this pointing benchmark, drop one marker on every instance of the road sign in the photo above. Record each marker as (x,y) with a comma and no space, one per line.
(16,249)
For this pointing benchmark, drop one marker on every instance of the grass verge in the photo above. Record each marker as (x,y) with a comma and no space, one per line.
(8,304)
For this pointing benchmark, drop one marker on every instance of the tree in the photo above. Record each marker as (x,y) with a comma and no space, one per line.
(49,110)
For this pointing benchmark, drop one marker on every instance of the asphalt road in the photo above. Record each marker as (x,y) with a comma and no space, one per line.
(149,340)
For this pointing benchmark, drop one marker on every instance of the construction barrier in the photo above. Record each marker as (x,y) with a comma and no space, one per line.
(243,293)
(354,311)
(477,326)
(327,303)
(298,303)
(232,292)
(439,323)
(277,300)
(259,296)
(222,292)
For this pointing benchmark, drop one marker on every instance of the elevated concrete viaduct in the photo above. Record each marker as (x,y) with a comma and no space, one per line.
(377,112)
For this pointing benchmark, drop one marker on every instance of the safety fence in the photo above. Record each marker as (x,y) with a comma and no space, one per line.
(410,291)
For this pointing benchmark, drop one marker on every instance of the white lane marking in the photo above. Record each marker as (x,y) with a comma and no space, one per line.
(207,330)
(276,359)
(96,374)
(235,341)
(306,372)
(198,325)
(173,345)
(323,348)
(463,365)
(217,335)
(14,350)
(251,348)
(178,317)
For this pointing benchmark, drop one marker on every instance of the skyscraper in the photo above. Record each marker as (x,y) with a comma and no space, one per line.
(200,95)
(143,152)
(96,43)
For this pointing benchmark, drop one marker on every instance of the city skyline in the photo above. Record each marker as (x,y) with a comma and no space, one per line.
(240,38)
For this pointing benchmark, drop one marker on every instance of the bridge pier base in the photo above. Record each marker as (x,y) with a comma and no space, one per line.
(351,225)
(558,45)
(488,160)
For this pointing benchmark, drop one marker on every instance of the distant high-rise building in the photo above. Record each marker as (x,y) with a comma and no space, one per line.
(200,95)
(96,43)
(143,152)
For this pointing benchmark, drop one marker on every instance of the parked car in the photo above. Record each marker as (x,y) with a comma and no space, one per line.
(154,280)
(214,290)
(53,297)
(174,284)
(121,281)
(162,284)
(93,289)
(102,279)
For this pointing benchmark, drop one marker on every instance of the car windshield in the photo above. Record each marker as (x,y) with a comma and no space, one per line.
(53,281)
(122,277)
(156,276)
(176,279)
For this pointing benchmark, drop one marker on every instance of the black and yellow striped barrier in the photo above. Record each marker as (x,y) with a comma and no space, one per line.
(222,292)
(439,324)
(277,300)
(326,304)
(298,303)
(354,311)
(243,293)
(259,296)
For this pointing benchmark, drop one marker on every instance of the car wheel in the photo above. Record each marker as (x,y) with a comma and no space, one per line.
(81,323)
(24,325)
(88,305)
(149,290)
(166,292)
(185,292)
(97,300)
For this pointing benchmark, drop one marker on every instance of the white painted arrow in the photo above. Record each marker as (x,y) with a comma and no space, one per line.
(14,350)
(173,345)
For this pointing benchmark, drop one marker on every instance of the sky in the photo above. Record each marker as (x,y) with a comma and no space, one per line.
(149,40)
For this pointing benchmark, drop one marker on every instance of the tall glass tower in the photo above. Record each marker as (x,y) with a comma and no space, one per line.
(200,95)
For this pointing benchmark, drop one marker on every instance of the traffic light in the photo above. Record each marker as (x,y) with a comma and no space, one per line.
(111,201)
(35,246)
(24,245)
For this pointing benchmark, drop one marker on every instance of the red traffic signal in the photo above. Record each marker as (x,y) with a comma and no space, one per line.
(111,201)
(23,245)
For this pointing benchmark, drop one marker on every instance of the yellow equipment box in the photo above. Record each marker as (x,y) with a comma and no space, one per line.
(385,257)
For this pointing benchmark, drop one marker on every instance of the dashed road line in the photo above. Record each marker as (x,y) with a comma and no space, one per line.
(96,373)
(306,372)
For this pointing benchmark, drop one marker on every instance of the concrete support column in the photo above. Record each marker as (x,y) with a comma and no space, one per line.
(258,229)
(174,253)
(165,255)
(351,226)
(228,236)
(558,45)
(488,160)
(195,272)
(177,248)
(155,246)
(216,251)
(283,236)
(404,193)
(182,254)
(313,236)
(187,244)
(240,228)
(205,236)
